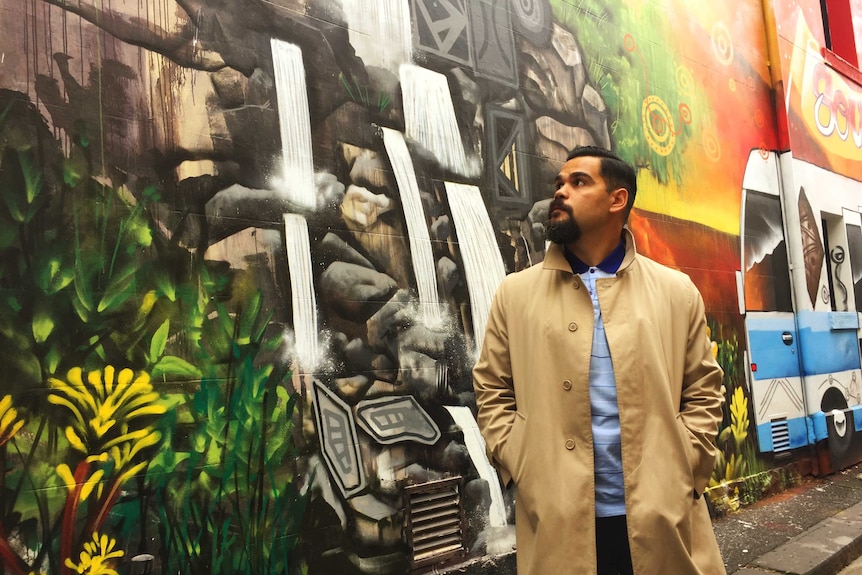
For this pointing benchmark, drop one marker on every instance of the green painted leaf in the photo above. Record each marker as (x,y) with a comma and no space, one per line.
(160,339)
(80,308)
(84,301)
(122,286)
(12,303)
(248,319)
(52,359)
(43,325)
(53,274)
(166,285)
(32,176)
(138,230)
(172,365)
(98,348)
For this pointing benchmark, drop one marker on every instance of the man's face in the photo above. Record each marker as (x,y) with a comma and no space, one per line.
(581,201)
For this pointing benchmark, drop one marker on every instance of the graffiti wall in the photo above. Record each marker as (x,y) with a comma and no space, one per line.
(248,249)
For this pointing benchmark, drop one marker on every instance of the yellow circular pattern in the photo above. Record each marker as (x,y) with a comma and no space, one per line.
(684,79)
(658,125)
(711,146)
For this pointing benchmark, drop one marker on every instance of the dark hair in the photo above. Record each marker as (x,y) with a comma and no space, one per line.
(614,170)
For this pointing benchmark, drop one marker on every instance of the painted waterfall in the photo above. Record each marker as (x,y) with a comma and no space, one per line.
(298,186)
(417,226)
(483,265)
(297,178)
(429,118)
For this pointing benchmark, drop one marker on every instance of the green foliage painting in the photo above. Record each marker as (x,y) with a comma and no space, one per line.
(647,87)
(137,403)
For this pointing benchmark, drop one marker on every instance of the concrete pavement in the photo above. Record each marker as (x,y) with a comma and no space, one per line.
(812,529)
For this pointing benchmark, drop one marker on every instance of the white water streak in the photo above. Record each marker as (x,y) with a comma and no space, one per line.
(417,226)
(464,419)
(298,166)
(301,291)
(429,118)
(373,23)
(483,265)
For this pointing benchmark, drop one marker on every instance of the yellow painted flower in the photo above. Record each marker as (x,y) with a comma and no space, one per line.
(739,415)
(10,424)
(92,482)
(124,452)
(104,406)
(98,557)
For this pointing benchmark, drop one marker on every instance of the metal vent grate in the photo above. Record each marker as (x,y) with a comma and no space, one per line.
(780,435)
(434,522)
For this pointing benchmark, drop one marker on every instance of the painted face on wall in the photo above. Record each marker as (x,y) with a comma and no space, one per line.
(581,201)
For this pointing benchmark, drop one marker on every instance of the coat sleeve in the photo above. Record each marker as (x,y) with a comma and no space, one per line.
(492,380)
(702,399)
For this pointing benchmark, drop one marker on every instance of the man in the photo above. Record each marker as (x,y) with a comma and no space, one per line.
(598,393)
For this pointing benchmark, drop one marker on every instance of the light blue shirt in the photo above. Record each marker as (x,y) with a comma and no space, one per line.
(607,450)
(607,453)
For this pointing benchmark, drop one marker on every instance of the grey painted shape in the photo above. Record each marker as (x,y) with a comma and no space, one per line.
(493,41)
(506,128)
(396,419)
(441,27)
(532,19)
(338,443)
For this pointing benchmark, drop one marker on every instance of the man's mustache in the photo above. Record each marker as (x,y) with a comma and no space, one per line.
(559,205)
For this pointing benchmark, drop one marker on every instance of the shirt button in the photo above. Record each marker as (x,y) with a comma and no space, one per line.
(567,385)
(570,444)
(573,326)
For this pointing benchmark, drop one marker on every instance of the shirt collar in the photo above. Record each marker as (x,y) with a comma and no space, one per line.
(609,265)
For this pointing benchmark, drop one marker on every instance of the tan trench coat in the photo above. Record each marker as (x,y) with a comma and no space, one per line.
(532,389)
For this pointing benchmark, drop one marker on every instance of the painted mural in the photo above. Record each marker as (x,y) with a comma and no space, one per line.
(248,250)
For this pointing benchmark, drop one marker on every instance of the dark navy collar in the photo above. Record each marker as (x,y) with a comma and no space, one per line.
(609,265)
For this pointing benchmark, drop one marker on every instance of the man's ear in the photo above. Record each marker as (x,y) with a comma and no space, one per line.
(619,199)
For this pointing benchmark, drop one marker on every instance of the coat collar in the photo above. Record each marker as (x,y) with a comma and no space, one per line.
(556,260)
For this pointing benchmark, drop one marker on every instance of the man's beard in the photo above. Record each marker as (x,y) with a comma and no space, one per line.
(565,231)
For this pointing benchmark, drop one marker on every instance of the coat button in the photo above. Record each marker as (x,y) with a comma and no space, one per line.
(576,284)
(570,444)
(573,326)
(567,385)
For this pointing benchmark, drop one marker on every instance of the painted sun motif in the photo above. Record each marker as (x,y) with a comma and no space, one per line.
(711,145)
(722,43)
(684,80)
(658,125)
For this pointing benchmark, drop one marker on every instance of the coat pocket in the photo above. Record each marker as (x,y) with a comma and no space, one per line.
(513,453)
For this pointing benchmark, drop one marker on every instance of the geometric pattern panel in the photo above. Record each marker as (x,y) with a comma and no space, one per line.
(493,41)
(395,419)
(532,19)
(441,27)
(338,442)
(506,158)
